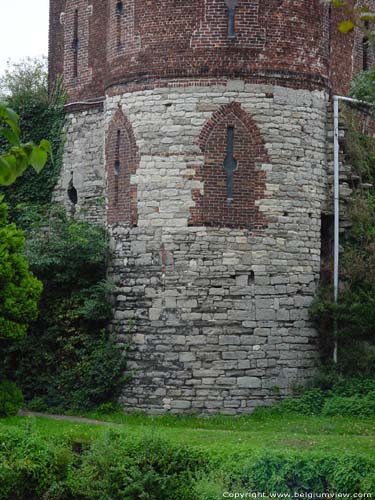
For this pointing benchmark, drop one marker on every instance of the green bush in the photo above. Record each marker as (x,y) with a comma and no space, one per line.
(113,467)
(289,474)
(19,289)
(334,395)
(68,360)
(118,468)
(31,466)
(11,398)
(354,406)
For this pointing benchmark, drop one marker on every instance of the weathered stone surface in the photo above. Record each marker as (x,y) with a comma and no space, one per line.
(216,317)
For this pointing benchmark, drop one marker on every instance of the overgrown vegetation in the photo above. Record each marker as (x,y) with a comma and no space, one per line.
(68,359)
(332,395)
(355,311)
(24,86)
(140,462)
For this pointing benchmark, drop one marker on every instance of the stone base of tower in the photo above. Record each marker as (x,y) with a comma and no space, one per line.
(215,317)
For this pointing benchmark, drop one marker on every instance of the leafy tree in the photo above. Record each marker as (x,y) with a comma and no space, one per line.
(24,81)
(18,156)
(41,116)
(19,289)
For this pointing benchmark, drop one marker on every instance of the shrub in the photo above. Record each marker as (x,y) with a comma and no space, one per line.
(354,406)
(68,360)
(30,466)
(19,289)
(290,474)
(118,468)
(11,398)
(334,395)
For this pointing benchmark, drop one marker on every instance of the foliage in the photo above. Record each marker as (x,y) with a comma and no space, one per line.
(116,467)
(44,458)
(68,360)
(355,311)
(11,398)
(19,289)
(18,156)
(25,81)
(333,395)
(363,86)
(355,406)
(357,15)
(111,467)
(30,466)
(41,116)
(291,473)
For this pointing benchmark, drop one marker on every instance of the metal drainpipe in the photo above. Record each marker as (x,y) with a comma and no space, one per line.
(336,173)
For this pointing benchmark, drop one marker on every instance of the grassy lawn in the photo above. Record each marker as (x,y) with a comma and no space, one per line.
(226,436)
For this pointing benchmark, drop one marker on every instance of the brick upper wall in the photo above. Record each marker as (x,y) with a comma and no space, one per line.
(146,40)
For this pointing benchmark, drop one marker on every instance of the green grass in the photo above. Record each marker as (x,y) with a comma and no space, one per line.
(227,436)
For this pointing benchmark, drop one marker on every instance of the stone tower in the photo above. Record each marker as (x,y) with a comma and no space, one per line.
(196,130)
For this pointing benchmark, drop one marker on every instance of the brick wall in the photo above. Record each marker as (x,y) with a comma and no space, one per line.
(288,40)
(174,39)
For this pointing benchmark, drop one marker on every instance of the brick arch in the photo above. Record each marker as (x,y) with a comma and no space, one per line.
(122,160)
(212,208)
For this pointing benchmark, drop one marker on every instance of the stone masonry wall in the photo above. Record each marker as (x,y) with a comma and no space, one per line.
(83,165)
(217,318)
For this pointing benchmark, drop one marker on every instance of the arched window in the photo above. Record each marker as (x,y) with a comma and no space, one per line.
(122,161)
(232,183)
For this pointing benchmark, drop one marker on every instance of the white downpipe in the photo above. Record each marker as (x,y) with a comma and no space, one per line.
(336,173)
(336,246)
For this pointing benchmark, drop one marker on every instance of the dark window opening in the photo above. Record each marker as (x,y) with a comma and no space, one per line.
(232,5)
(365,50)
(119,13)
(230,163)
(72,193)
(75,44)
(326,251)
(117,165)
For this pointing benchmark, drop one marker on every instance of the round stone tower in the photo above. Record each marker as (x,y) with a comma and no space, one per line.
(196,130)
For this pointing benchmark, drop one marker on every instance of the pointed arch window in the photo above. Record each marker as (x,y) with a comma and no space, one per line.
(232,182)
(122,160)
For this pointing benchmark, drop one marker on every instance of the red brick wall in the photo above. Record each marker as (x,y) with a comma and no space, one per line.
(176,38)
(122,160)
(213,208)
(91,54)
(179,38)
(55,42)
(284,39)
